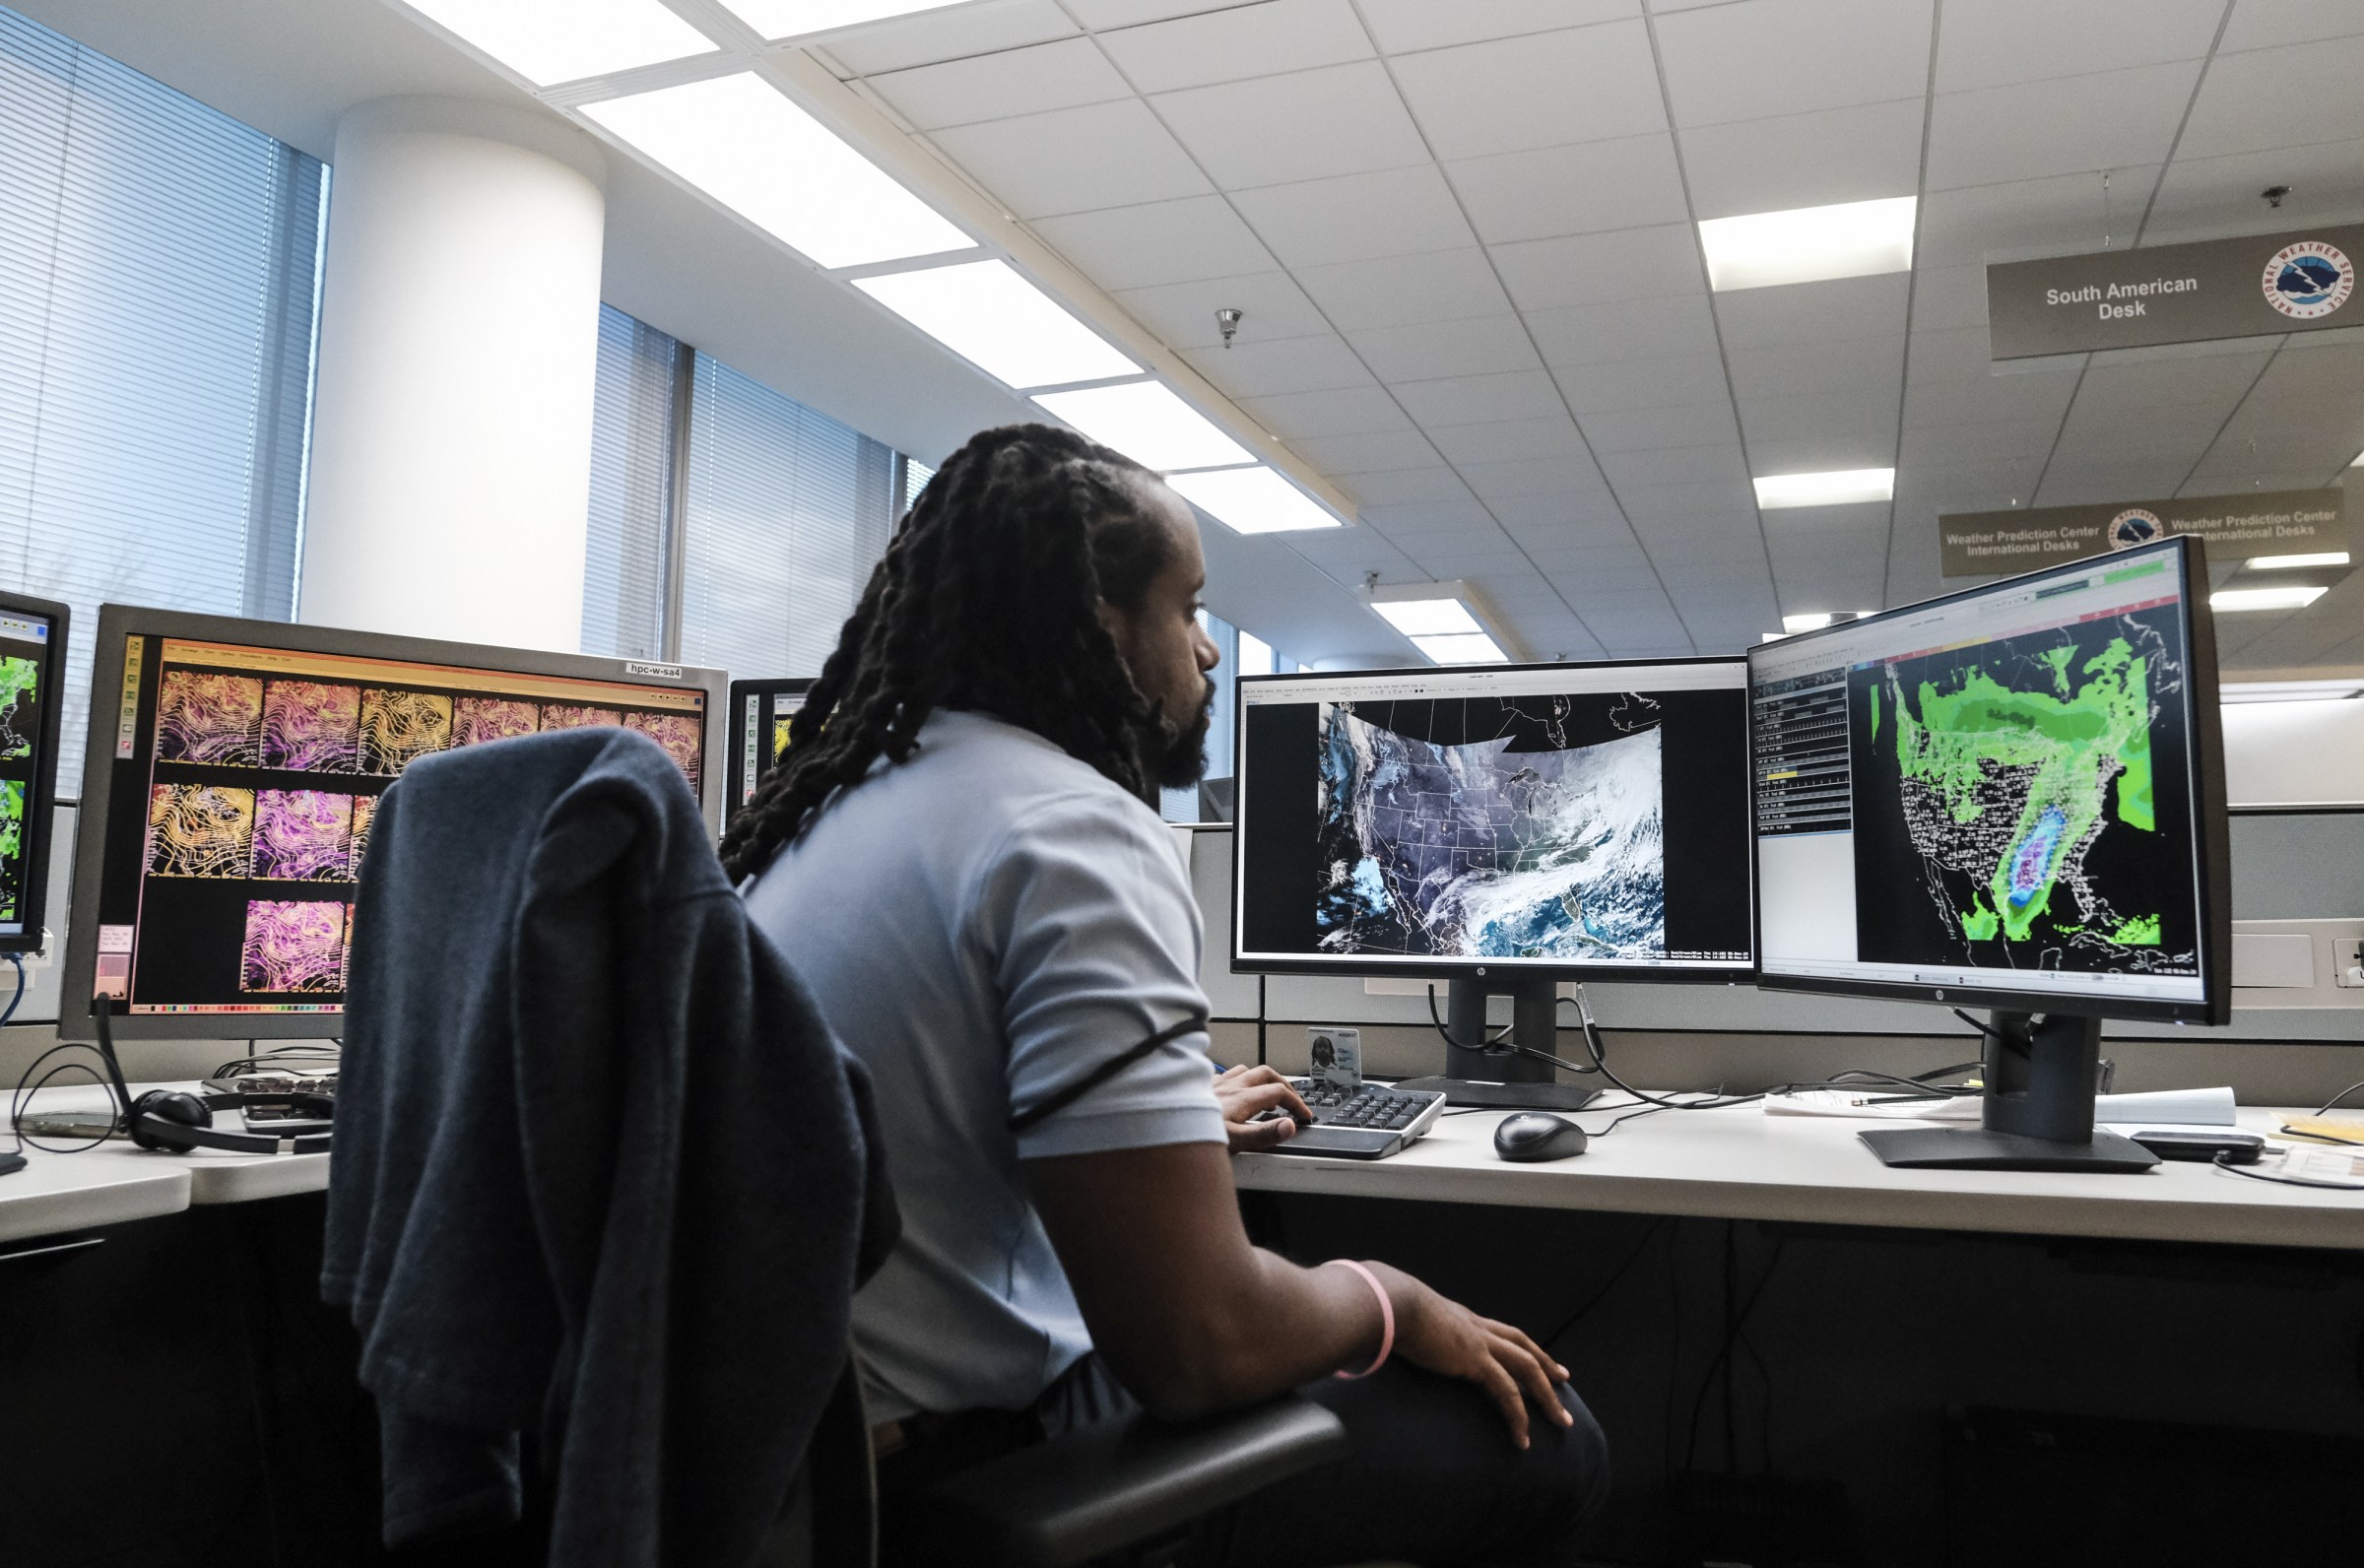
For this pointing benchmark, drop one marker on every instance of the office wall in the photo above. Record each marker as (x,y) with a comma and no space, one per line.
(2302,754)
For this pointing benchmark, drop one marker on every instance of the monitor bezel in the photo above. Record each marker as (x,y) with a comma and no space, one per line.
(116,623)
(1349,968)
(39,826)
(740,690)
(2210,817)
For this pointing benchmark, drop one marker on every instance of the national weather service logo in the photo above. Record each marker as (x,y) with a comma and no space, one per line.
(2132,527)
(2309,280)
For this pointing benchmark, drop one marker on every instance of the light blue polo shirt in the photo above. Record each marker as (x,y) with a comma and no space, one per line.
(984,926)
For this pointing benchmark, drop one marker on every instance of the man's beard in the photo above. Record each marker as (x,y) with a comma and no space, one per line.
(1180,753)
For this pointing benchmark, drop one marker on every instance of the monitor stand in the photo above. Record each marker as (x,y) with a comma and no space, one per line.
(2038,1112)
(1503,1079)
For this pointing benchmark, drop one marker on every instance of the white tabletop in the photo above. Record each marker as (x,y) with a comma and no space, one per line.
(1740,1164)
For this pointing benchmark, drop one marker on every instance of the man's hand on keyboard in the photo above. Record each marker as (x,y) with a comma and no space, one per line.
(1247,1093)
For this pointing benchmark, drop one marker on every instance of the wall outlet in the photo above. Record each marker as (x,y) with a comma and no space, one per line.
(2347,961)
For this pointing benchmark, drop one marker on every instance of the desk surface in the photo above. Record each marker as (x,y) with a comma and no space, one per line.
(1740,1163)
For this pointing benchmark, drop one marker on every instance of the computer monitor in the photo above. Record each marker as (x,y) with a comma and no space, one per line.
(1500,827)
(760,714)
(231,775)
(2009,798)
(32,657)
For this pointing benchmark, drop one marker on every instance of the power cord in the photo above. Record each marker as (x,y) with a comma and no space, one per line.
(1445,1035)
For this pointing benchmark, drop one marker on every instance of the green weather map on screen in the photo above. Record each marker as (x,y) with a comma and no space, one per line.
(20,731)
(2038,783)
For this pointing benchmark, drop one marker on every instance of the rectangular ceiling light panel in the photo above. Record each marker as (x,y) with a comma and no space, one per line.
(1252,501)
(2322,558)
(1837,488)
(2293,598)
(2290,692)
(746,145)
(990,316)
(1428,617)
(1807,244)
(1473,647)
(565,40)
(1149,424)
(790,18)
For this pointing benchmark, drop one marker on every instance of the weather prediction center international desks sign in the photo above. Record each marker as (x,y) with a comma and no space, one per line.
(2304,281)
(2234,527)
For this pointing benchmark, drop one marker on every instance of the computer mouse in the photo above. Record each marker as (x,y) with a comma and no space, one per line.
(1533,1135)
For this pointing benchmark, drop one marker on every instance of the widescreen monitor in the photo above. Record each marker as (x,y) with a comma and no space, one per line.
(233,769)
(1562,819)
(2009,798)
(32,658)
(760,714)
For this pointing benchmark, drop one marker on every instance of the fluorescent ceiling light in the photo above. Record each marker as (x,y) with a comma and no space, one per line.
(1252,501)
(2292,598)
(2289,691)
(1812,623)
(1149,424)
(1428,617)
(2324,558)
(1472,647)
(1834,489)
(747,145)
(1853,239)
(1004,326)
(789,19)
(565,40)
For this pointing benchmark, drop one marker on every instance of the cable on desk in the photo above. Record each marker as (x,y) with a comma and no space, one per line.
(27,1086)
(2225,1164)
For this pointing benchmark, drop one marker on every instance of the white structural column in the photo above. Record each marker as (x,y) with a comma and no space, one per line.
(459,337)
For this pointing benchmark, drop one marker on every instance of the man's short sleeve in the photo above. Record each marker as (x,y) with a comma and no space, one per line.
(1094,943)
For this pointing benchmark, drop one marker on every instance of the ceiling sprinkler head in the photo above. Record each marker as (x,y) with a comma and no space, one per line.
(2273,195)
(1227,322)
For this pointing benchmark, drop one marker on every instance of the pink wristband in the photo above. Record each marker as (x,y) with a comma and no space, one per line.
(1387,1316)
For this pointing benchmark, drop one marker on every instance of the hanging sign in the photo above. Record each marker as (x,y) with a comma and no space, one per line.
(2304,281)
(2234,527)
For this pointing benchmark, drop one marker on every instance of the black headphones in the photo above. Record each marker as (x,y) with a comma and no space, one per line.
(175,1121)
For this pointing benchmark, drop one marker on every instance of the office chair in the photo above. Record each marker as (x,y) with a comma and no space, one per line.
(1122,1495)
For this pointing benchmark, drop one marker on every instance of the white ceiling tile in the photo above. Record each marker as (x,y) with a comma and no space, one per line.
(1627,182)
(1257,367)
(1406,290)
(1396,211)
(1658,429)
(1625,329)
(2263,24)
(999,86)
(2114,119)
(1611,385)
(1861,367)
(1366,454)
(1341,411)
(1718,502)
(1973,225)
(1343,119)
(1674,465)
(1429,350)
(1103,15)
(2248,102)
(1817,443)
(1995,43)
(2304,369)
(1591,269)
(1241,41)
(1946,297)
(2213,196)
(1507,442)
(1828,311)
(1182,315)
(1863,153)
(1747,62)
(1070,160)
(1403,26)
(1405,485)
(2215,382)
(950,34)
(1957,353)
(1463,518)
(1543,89)
(1513,479)
(2002,442)
(1139,247)
(1993,397)
(1480,399)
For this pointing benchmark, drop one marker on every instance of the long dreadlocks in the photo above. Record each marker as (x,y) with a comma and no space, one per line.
(989,599)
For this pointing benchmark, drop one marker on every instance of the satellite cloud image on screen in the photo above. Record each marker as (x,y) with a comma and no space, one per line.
(2028,778)
(1473,850)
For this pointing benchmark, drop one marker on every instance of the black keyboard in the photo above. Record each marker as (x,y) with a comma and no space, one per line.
(1367,1122)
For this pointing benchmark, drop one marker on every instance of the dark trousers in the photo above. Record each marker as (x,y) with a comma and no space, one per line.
(1432,1477)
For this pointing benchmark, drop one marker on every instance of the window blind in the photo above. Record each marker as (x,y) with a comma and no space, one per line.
(632,476)
(787,512)
(159,293)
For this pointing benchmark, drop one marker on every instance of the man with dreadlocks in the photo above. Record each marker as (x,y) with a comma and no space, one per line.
(957,855)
